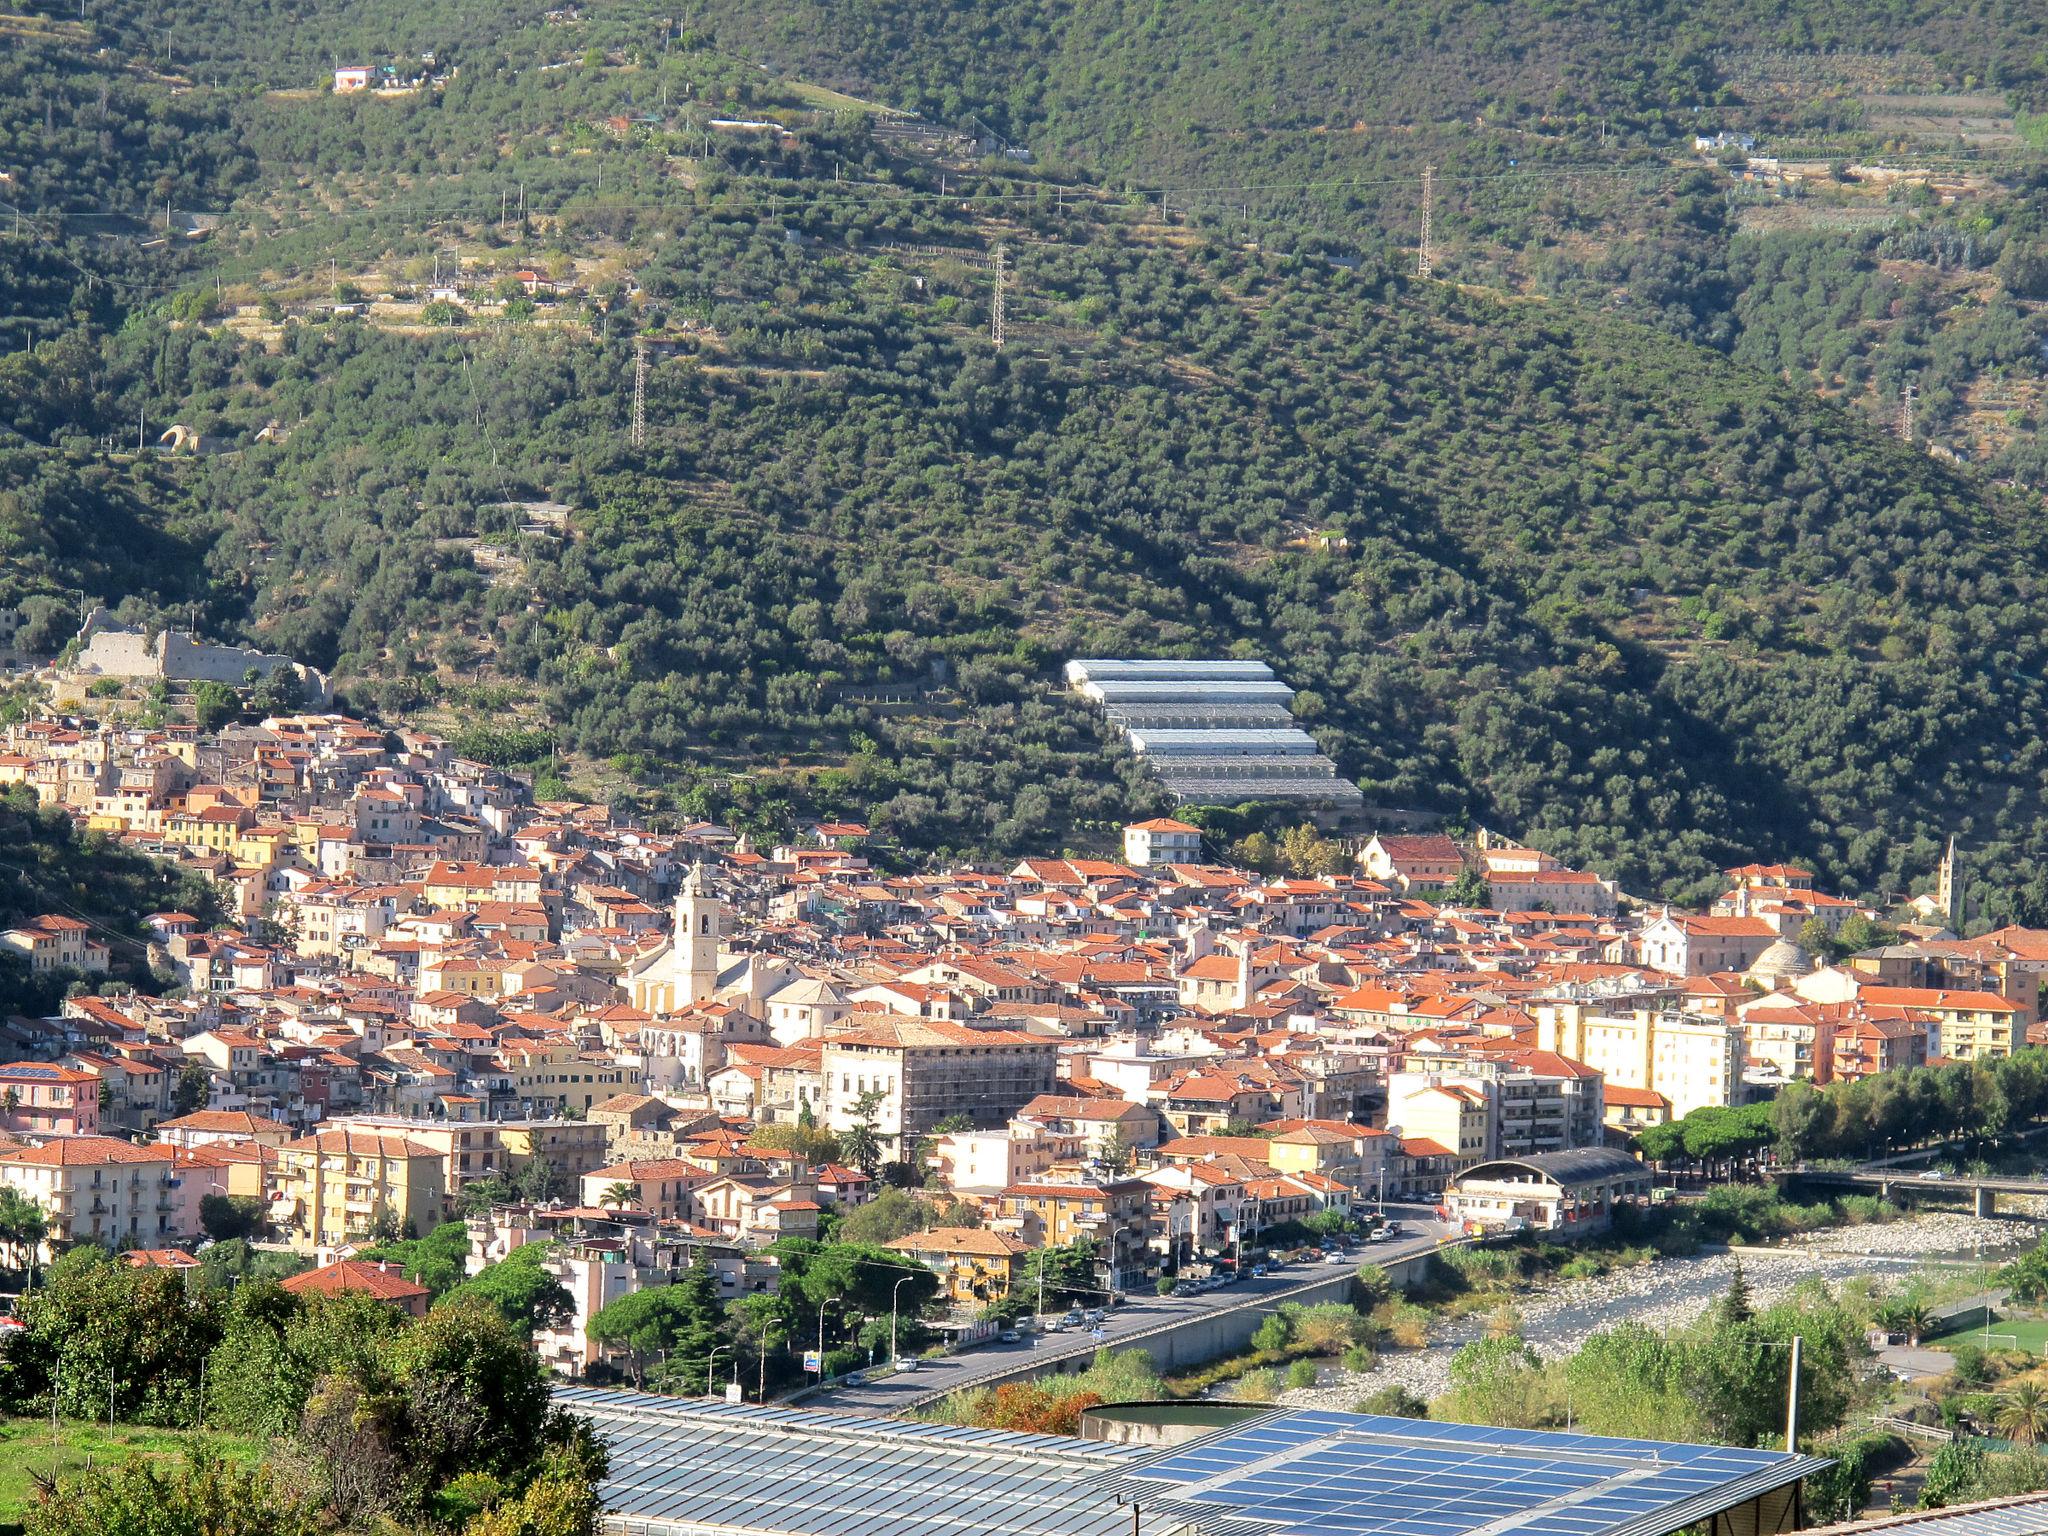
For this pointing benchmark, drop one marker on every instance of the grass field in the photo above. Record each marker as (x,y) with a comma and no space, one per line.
(25,1453)
(2028,1333)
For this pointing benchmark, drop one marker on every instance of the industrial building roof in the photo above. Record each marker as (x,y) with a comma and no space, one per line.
(1151,691)
(1291,742)
(682,1465)
(1170,669)
(2024,1515)
(1365,1475)
(1572,1165)
(1215,732)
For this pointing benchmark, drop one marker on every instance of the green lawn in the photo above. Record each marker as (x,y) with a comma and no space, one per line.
(25,1453)
(2028,1333)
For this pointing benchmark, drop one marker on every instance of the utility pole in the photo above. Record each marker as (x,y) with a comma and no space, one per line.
(1792,1402)
(640,394)
(1422,262)
(1906,398)
(995,313)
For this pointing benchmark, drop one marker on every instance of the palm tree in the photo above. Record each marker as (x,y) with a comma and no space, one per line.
(2023,1413)
(618,1196)
(23,1226)
(1914,1317)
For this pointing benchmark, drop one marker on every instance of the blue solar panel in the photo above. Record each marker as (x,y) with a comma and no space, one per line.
(1317,1471)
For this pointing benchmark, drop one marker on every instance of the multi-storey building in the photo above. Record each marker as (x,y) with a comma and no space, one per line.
(928,1070)
(1693,1062)
(100,1189)
(1113,1214)
(41,1099)
(341,1186)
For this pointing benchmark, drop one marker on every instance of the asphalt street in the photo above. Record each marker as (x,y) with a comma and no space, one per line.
(888,1392)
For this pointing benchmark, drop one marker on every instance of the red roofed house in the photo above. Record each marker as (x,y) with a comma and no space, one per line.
(1412,864)
(52,943)
(1680,944)
(976,1267)
(1631,1109)
(1967,1024)
(1162,841)
(379,1278)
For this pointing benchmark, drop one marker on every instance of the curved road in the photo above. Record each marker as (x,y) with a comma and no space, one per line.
(886,1392)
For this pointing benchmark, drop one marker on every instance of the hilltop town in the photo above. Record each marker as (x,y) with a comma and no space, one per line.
(432,997)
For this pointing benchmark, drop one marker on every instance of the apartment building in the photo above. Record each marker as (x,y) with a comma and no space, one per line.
(337,1186)
(1691,1061)
(1162,840)
(976,1267)
(1113,1214)
(1526,1100)
(927,1070)
(102,1190)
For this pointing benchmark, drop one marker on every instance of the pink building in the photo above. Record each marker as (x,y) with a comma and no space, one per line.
(38,1098)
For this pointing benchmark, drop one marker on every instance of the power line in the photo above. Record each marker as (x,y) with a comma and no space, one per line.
(640,394)
(995,313)
(1428,207)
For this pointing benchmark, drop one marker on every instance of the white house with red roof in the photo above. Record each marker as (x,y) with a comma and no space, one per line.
(1162,840)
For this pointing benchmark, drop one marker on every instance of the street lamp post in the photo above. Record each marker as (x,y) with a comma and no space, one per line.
(894,1293)
(821,1341)
(716,1351)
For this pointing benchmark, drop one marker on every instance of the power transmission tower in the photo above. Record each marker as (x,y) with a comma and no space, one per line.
(995,312)
(1906,398)
(1428,209)
(640,394)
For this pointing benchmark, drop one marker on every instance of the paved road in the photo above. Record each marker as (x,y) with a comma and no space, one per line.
(888,1393)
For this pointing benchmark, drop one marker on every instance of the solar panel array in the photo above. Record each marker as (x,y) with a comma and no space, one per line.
(678,1464)
(681,1466)
(1214,732)
(1313,1472)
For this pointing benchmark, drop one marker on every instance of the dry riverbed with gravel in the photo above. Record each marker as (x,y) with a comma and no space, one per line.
(1666,1293)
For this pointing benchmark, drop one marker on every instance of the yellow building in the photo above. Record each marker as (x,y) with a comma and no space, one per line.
(215,829)
(975,1267)
(1690,1061)
(336,1186)
(264,847)
(572,1147)
(552,1076)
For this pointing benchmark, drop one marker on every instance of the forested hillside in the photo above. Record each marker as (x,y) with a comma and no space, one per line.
(1605,540)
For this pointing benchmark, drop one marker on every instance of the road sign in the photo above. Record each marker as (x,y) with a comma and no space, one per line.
(813,1361)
